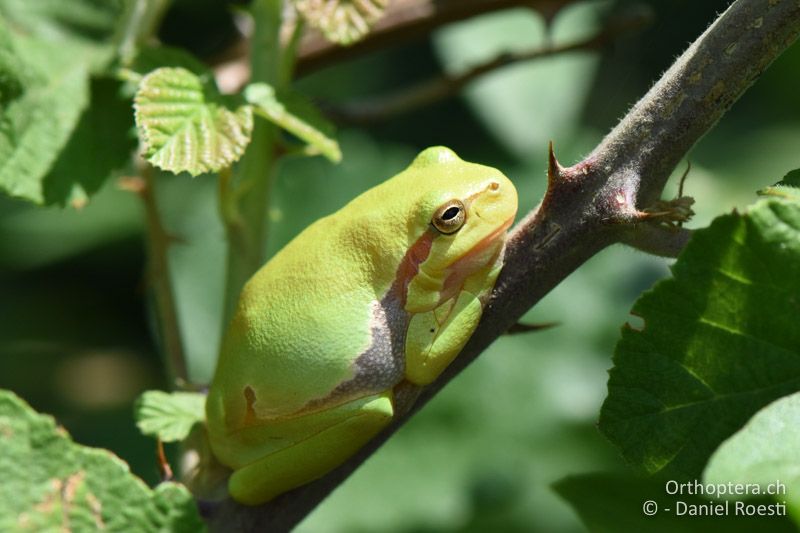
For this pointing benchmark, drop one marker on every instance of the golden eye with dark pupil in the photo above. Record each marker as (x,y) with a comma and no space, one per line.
(451,213)
(449,217)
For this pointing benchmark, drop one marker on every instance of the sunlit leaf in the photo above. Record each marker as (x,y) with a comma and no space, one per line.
(341,21)
(720,341)
(169,416)
(185,125)
(49,483)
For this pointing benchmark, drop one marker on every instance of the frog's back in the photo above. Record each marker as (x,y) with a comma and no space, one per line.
(304,319)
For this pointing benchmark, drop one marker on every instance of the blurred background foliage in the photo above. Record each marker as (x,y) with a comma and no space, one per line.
(76,333)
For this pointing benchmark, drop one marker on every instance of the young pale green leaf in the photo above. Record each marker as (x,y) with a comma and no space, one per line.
(185,125)
(49,483)
(615,503)
(169,416)
(788,187)
(720,341)
(763,452)
(342,21)
(310,130)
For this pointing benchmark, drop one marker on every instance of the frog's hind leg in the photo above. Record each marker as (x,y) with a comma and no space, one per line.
(351,425)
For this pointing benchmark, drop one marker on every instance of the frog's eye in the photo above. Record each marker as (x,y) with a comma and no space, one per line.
(449,217)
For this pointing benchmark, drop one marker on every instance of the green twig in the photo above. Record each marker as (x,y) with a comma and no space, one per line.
(246,194)
(142,19)
(289,59)
(158,242)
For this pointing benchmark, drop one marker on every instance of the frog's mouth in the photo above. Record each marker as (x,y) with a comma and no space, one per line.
(495,237)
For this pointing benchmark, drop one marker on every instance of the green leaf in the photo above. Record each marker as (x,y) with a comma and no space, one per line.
(764,451)
(87,24)
(342,21)
(788,187)
(47,50)
(185,125)
(791,179)
(169,416)
(719,343)
(105,130)
(44,92)
(52,484)
(310,129)
(615,503)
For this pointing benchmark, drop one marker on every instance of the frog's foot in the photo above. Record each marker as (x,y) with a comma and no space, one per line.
(347,428)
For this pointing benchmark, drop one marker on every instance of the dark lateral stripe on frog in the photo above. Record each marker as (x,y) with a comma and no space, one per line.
(382,365)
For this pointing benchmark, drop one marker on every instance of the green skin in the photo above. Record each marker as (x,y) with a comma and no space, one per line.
(360,302)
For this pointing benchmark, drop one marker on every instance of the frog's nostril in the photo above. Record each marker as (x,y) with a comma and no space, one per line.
(494,186)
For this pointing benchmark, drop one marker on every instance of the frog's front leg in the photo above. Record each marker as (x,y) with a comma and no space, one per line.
(432,344)
(436,337)
(347,428)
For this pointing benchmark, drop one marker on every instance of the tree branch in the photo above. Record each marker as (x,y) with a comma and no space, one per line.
(657,240)
(158,275)
(405,20)
(446,85)
(588,206)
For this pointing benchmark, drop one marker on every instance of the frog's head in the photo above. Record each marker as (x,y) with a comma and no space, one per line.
(457,225)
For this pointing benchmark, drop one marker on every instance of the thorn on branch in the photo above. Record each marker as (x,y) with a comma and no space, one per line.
(559,176)
(527,328)
(555,172)
(561,181)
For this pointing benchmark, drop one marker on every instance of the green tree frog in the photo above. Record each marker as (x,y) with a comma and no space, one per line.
(387,290)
